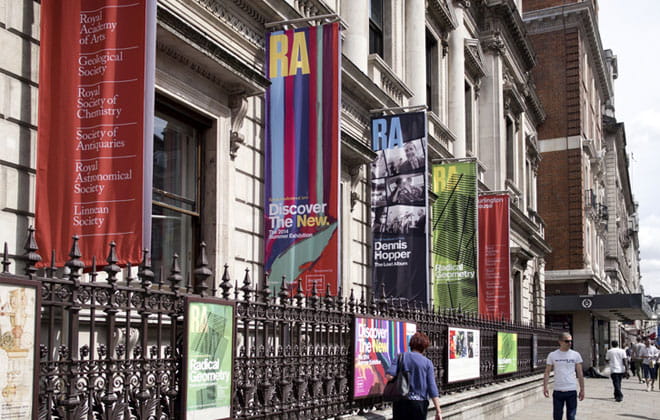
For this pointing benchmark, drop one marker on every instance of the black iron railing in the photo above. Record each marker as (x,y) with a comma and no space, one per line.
(112,349)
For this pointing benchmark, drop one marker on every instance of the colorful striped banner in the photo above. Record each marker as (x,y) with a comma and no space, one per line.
(302,157)
(454,247)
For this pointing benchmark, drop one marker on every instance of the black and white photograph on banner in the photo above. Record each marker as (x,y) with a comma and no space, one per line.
(398,205)
(408,158)
(406,189)
(378,193)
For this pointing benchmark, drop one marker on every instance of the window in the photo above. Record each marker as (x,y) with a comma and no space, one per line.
(431,57)
(376,27)
(469,117)
(517,296)
(510,148)
(176,189)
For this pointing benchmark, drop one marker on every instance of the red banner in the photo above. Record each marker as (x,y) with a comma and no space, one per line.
(95,127)
(494,277)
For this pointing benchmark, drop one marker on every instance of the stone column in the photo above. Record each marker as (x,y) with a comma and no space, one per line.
(416,50)
(356,40)
(457,81)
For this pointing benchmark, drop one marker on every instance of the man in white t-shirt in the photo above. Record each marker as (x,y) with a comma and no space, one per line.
(567,365)
(650,355)
(618,367)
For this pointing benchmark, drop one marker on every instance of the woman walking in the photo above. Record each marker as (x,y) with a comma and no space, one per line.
(421,380)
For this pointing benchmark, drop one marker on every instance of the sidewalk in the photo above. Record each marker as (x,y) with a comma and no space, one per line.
(599,403)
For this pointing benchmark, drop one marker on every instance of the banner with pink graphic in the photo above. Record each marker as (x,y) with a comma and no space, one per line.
(377,343)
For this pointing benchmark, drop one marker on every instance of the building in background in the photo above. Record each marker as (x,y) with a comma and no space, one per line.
(592,276)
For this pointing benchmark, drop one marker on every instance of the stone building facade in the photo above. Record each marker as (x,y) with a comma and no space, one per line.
(469,62)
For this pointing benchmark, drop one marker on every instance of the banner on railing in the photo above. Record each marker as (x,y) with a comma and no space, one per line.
(494,277)
(302,157)
(454,242)
(208,358)
(377,344)
(507,352)
(20,300)
(463,351)
(398,205)
(96,89)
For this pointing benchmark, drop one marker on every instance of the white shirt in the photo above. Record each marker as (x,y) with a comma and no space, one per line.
(564,363)
(637,348)
(616,356)
(652,352)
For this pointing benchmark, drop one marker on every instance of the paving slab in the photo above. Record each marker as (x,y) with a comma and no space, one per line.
(599,404)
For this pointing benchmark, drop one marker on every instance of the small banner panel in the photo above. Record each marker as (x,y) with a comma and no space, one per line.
(398,206)
(20,317)
(463,354)
(208,358)
(507,352)
(494,260)
(454,242)
(377,344)
(302,157)
(96,89)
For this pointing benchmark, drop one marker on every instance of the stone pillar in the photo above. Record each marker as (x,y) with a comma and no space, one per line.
(416,50)
(457,81)
(356,40)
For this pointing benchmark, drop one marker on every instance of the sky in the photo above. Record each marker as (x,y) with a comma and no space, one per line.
(630,29)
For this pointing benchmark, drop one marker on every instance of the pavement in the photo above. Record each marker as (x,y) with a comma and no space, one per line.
(599,404)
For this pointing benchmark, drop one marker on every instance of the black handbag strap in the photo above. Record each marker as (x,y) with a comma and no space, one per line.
(399,363)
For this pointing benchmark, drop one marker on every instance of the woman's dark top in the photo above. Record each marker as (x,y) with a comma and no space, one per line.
(421,375)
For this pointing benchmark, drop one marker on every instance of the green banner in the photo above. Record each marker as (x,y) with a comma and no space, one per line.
(208,359)
(454,247)
(507,352)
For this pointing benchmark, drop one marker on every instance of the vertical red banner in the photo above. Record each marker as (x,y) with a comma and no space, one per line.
(494,264)
(96,87)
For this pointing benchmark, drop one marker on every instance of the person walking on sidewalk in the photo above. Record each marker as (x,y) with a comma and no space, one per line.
(649,355)
(421,380)
(618,367)
(637,359)
(567,365)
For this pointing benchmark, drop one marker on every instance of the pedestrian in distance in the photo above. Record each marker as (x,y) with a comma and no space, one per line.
(649,355)
(637,359)
(421,380)
(618,361)
(567,365)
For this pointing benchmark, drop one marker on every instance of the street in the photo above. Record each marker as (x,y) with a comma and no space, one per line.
(599,403)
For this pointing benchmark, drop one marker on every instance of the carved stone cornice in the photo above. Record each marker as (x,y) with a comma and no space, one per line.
(474,61)
(204,55)
(443,14)
(218,8)
(504,16)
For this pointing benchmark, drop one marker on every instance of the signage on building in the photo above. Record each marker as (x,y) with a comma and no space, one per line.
(208,358)
(454,241)
(377,343)
(19,370)
(507,352)
(463,354)
(494,269)
(398,205)
(302,157)
(96,88)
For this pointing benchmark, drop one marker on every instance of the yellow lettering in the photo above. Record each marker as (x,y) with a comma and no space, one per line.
(299,59)
(279,46)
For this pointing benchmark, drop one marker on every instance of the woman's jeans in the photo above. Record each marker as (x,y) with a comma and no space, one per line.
(558,400)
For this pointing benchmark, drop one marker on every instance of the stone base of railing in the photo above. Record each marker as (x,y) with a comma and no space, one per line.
(497,401)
